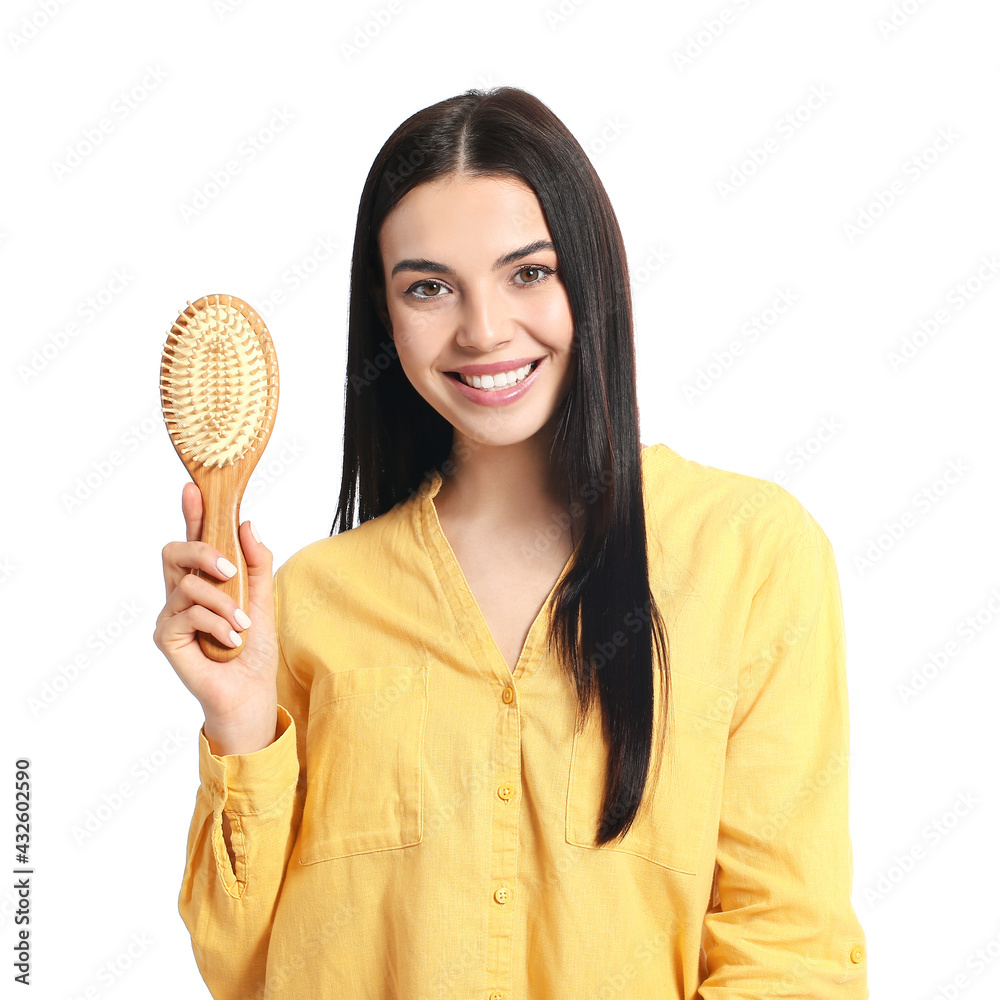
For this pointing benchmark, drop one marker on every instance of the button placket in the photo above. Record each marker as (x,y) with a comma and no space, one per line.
(503,853)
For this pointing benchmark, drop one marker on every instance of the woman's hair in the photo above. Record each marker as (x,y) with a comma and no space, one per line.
(605,619)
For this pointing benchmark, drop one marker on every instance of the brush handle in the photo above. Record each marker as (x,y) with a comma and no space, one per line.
(220,529)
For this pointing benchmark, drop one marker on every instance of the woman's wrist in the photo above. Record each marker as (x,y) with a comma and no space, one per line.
(249,732)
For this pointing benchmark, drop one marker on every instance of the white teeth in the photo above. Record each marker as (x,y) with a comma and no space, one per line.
(499,380)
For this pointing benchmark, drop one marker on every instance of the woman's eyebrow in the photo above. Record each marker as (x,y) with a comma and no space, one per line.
(422,264)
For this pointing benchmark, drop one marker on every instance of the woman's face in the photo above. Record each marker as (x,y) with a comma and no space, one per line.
(465,290)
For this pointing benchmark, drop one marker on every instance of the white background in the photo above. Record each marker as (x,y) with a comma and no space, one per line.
(911,445)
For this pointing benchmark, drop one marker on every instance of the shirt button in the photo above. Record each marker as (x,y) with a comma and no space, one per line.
(857,954)
(508,695)
(502,895)
(496,995)
(506,791)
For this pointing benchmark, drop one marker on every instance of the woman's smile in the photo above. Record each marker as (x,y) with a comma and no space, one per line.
(506,387)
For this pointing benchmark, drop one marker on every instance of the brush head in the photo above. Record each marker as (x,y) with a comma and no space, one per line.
(218,381)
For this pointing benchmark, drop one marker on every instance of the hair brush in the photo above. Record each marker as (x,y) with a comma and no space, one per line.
(219,395)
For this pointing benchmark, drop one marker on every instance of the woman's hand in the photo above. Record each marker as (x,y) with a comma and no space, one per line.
(239,696)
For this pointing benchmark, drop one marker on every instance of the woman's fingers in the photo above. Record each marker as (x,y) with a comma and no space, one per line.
(230,690)
(260,575)
(225,615)
(193,508)
(181,558)
(176,631)
(187,591)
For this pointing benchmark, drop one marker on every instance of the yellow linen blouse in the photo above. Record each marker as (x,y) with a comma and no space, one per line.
(423,824)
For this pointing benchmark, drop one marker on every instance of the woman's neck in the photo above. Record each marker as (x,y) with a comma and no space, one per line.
(501,487)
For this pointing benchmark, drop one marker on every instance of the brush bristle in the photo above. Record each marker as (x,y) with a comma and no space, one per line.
(215,391)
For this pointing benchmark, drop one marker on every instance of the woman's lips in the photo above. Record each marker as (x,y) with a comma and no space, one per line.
(497,397)
(494,367)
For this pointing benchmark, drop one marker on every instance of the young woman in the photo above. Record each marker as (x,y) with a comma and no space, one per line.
(454,758)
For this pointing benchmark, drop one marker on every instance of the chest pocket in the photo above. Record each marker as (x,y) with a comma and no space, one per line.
(672,824)
(364,762)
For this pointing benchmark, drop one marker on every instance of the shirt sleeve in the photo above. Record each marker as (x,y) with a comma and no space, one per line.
(228,908)
(781,922)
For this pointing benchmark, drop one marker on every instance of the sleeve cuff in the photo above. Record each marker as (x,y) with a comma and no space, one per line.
(251,783)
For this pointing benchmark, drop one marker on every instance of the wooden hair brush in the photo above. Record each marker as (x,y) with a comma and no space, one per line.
(219,395)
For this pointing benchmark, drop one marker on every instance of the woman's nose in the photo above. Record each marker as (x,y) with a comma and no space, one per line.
(484,320)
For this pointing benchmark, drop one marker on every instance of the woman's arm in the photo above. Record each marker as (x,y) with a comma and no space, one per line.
(781,921)
(228,896)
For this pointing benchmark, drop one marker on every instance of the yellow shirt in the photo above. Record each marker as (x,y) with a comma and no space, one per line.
(422,826)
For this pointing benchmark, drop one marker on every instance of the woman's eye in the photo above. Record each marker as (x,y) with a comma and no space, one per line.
(428,284)
(540,274)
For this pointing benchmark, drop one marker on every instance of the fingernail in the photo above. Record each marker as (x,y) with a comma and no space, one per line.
(253,531)
(242,618)
(234,638)
(225,567)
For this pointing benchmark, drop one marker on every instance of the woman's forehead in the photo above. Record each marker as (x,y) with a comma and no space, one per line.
(480,215)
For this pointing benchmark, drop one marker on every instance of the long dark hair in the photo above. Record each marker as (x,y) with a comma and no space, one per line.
(393,438)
